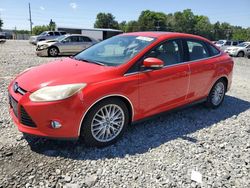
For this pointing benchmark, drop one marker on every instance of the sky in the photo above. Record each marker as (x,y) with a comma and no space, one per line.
(82,14)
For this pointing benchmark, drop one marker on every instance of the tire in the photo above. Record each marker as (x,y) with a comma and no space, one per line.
(53,51)
(217,94)
(96,125)
(240,54)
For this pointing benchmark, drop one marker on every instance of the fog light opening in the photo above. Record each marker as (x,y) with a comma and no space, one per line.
(55,124)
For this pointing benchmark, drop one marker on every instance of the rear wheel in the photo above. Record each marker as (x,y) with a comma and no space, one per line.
(241,54)
(105,123)
(53,51)
(217,94)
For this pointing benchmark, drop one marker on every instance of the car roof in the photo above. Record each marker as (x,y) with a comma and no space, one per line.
(161,34)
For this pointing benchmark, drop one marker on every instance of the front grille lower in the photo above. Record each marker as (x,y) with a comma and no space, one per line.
(13,105)
(25,118)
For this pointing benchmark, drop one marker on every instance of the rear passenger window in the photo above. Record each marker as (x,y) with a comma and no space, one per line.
(169,52)
(235,43)
(87,39)
(213,51)
(50,33)
(57,33)
(197,50)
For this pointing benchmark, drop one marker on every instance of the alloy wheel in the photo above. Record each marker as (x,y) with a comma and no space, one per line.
(107,123)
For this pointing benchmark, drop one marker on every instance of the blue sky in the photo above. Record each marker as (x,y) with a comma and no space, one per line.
(73,13)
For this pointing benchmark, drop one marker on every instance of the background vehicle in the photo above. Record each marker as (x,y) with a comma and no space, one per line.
(98,92)
(2,37)
(223,44)
(64,45)
(240,50)
(46,35)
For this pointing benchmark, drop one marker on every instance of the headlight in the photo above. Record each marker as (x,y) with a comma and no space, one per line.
(234,49)
(54,93)
(44,46)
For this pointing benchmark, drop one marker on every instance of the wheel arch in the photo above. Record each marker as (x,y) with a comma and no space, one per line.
(224,78)
(123,98)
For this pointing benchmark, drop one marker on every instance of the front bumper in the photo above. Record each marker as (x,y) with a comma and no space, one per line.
(68,112)
(43,52)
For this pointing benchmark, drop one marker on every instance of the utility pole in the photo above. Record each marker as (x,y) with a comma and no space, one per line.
(30,20)
(158,25)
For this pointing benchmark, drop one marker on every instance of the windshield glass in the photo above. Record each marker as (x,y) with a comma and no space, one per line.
(61,38)
(116,50)
(243,44)
(220,42)
(43,33)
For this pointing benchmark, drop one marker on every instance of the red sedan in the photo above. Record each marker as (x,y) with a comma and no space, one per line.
(98,92)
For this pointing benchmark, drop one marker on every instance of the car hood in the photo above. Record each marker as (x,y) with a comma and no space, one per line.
(64,71)
(48,42)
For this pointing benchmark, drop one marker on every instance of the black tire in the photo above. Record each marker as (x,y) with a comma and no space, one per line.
(240,54)
(210,102)
(53,51)
(86,129)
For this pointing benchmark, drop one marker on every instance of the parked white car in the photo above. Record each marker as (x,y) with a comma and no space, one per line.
(240,50)
(224,44)
(64,45)
(46,35)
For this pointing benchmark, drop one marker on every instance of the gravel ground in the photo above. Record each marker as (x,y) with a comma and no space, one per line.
(161,152)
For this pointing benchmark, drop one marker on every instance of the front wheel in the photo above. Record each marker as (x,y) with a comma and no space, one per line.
(240,54)
(217,94)
(105,123)
(53,51)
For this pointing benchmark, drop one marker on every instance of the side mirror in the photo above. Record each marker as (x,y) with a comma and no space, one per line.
(153,63)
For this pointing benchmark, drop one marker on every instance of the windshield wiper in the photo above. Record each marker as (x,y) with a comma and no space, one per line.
(90,61)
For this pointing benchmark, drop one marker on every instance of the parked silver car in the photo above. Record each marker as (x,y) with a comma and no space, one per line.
(64,45)
(223,44)
(240,50)
(46,35)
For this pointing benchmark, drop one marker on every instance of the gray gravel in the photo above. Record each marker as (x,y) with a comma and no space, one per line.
(161,152)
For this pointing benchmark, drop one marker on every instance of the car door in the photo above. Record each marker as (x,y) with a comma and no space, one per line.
(166,88)
(85,42)
(69,45)
(202,68)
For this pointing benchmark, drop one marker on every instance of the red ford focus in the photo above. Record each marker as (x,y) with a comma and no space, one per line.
(98,92)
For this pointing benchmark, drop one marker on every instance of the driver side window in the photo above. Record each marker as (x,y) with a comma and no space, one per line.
(169,52)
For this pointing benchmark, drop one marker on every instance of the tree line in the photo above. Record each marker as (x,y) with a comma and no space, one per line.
(185,22)
(182,21)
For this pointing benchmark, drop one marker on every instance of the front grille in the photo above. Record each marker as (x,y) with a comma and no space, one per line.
(18,89)
(13,105)
(25,118)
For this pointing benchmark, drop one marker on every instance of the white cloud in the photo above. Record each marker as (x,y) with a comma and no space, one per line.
(2,9)
(73,5)
(42,8)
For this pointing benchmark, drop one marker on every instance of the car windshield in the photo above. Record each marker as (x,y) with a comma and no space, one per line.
(115,51)
(243,44)
(220,42)
(43,33)
(61,38)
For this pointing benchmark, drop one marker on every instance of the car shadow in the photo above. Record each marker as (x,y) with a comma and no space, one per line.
(146,135)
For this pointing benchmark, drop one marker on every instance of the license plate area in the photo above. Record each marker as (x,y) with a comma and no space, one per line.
(14,105)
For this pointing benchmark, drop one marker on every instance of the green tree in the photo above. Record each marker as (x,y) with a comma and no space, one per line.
(52,25)
(184,21)
(150,20)
(122,26)
(203,27)
(1,24)
(106,20)
(132,26)
(39,29)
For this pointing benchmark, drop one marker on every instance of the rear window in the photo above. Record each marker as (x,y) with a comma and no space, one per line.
(197,50)
(228,43)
